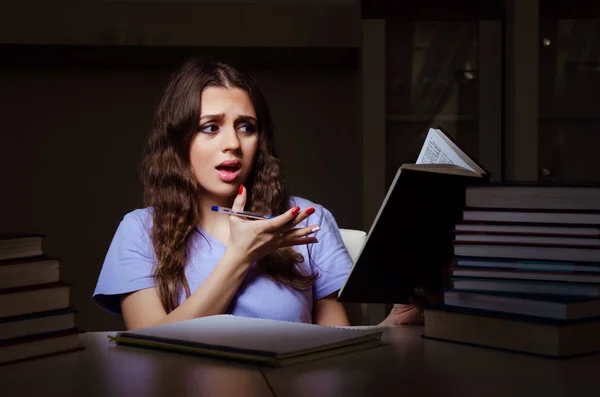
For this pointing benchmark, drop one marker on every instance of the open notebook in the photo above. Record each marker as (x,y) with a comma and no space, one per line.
(261,341)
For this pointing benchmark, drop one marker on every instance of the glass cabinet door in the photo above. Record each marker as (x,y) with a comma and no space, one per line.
(431,81)
(569,99)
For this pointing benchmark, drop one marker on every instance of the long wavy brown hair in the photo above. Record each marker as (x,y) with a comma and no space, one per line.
(172,191)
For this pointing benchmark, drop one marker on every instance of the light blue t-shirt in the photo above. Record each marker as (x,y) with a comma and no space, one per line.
(130,260)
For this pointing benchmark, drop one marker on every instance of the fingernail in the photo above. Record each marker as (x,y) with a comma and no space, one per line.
(295,211)
(310,210)
(241,189)
(315,229)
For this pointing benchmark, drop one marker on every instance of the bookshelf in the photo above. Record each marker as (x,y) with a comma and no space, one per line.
(427,64)
(423,66)
(569,70)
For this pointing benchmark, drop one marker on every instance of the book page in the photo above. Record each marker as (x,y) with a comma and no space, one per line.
(436,150)
(451,169)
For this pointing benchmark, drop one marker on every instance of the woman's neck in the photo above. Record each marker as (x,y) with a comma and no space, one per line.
(214,223)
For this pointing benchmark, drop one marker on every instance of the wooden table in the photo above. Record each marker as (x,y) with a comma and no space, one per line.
(408,365)
(412,366)
(104,369)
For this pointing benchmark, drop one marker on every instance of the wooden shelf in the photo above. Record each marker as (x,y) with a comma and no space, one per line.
(443,117)
(95,57)
(433,9)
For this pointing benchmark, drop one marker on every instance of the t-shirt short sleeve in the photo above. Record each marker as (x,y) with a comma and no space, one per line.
(129,262)
(329,257)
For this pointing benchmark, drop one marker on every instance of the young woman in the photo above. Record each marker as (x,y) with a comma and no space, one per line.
(212,144)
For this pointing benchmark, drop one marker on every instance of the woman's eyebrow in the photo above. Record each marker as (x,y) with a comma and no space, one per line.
(247,118)
(212,116)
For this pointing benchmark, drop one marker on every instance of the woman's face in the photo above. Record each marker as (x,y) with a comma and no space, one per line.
(223,149)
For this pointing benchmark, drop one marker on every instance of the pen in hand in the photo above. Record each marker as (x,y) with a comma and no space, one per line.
(244,214)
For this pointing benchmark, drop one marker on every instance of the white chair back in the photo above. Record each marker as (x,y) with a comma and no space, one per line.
(358,313)
(353,240)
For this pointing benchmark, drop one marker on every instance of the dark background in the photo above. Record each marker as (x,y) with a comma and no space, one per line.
(80,79)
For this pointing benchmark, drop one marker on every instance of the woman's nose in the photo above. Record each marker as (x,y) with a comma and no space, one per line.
(231,141)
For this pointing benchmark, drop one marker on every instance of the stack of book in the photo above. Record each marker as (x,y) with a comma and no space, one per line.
(36,319)
(526,273)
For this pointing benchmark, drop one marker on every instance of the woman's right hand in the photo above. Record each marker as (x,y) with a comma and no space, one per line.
(253,239)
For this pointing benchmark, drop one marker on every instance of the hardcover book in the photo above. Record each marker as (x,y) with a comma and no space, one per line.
(514,332)
(409,244)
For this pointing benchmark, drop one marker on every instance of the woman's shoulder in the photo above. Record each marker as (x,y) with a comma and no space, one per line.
(134,228)
(141,217)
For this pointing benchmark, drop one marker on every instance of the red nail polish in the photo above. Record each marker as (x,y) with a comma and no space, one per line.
(310,210)
(241,189)
(295,211)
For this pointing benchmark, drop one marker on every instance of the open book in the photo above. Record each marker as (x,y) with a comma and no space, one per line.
(439,148)
(410,240)
(262,341)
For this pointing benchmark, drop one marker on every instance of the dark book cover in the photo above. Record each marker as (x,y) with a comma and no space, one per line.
(513,316)
(16,290)
(410,245)
(553,298)
(520,263)
(4,235)
(31,316)
(40,336)
(27,261)
(539,184)
(74,346)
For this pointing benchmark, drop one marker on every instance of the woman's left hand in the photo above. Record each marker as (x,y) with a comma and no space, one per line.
(412,313)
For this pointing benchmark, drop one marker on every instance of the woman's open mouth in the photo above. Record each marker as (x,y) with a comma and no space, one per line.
(228,171)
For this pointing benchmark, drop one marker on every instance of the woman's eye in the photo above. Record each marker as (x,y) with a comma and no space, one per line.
(208,128)
(248,128)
